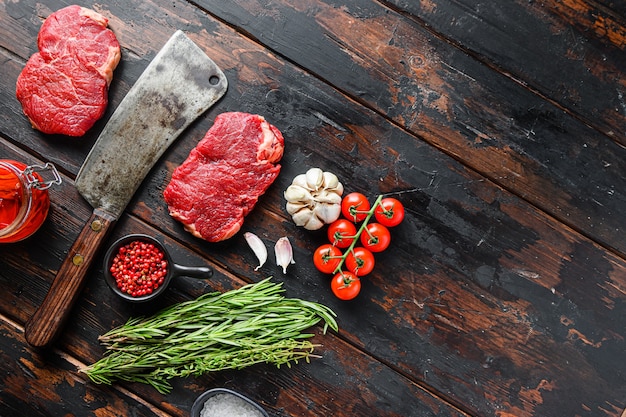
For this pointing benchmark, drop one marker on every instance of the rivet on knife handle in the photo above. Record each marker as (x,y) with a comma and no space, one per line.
(47,322)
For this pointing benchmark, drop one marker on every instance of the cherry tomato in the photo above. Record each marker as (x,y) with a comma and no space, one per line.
(326,258)
(341,233)
(360,261)
(354,207)
(345,285)
(390,212)
(375,237)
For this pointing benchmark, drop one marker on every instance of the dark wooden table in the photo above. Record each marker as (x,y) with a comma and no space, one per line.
(500,125)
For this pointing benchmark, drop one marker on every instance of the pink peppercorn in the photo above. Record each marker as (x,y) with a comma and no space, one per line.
(139,268)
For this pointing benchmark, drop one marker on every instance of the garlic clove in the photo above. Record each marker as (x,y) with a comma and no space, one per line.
(258,247)
(330,180)
(335,188)
(327,197)
(327,213)
(302,217)
(300,180)
(332,184)
(307,219)
(293,208)
(314,223)
(314,178)
(284,253)
(297,193)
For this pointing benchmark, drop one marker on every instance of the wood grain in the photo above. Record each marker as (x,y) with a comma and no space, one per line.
(45,385)
(566,51)
(504,290)
(494,123)
(45,326)
(98,310)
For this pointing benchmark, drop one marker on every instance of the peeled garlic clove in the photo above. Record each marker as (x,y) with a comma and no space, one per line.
(258,247)
(284,253)
(314,178)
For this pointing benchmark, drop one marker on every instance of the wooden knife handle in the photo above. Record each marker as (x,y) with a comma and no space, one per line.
(46,324)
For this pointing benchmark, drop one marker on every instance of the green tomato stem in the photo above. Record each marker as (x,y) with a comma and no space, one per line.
(370,213)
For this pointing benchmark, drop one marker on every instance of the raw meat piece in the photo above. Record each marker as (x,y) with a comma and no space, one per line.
(224,175)
(64,87)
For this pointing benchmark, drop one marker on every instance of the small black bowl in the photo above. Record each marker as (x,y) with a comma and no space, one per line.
(173,270)
(198,404)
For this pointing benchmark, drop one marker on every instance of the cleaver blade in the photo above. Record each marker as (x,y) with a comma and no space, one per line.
(178,85)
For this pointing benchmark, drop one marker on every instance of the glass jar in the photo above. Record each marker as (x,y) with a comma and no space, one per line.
(24,200)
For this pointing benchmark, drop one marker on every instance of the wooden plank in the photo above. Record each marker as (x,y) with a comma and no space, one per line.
(343,382)
(616,7)
(47,385)
(304,389)
(285,391)
(479,294)
(567,51)
(484,300)
(503,265)
(483,118)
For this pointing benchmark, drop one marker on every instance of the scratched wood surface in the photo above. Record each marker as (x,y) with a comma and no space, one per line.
(499,125)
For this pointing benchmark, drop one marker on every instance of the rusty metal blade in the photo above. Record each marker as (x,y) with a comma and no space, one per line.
(180,84)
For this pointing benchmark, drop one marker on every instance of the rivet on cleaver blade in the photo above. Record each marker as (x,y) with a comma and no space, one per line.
(180,84)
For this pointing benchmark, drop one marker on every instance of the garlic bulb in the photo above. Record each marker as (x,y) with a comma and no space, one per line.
(314,199)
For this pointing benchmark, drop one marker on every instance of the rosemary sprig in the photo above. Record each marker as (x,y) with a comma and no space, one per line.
(216,331)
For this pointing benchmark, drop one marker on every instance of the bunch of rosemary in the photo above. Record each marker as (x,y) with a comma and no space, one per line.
(216,331)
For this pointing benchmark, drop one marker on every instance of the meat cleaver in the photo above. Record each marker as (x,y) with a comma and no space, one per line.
(180,84)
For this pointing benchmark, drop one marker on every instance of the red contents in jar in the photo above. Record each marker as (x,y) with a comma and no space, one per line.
(22,209)
(139,268)
(10,200)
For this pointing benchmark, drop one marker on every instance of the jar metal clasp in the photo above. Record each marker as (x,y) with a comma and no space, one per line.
(42,184)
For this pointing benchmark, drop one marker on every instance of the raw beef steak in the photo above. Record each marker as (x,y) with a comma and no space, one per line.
(64,87)
(224,175)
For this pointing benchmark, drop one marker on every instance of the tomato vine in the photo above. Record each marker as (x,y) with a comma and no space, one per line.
(371,236)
